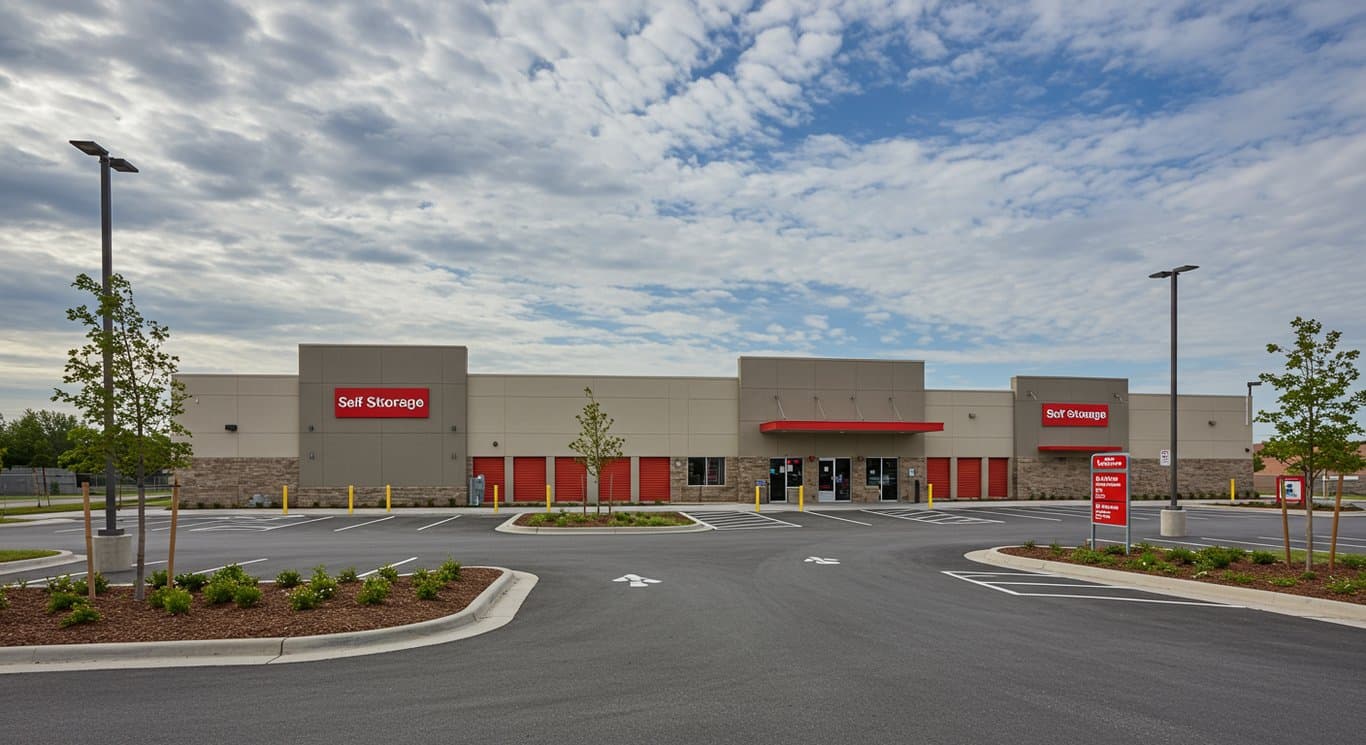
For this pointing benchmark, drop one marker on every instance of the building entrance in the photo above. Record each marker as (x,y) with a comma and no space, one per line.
(784,476)
(882,474)
(832,480)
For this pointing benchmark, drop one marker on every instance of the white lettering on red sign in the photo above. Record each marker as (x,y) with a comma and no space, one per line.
(1110,462)
(381,403)
(1076,415)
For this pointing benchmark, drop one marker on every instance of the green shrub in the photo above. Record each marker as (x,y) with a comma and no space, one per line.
(1144,546)
(245,596)
(101,585)
(1114,549)
(323,584)
(219,591)
(1341,586)
(176,600)
(1028,544)
(192,581)
(373,591)
(236,575)
(1086,556)
(62,584)
(4,599)
(1217,557)
(156,579)
(1241,578)
(59,601)
(1181,555)
(303,598)
(1282,581)
(1263,557)
(1309,575)
(1353,561)
(348,575)
(388,572)
(1055,548)
(421,575)
(81,613)
(287,579)
(449,571)
(428,590)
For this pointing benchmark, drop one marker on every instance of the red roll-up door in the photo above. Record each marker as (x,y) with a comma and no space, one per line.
(570,480)
(937,474)
(614,483)
(654,479)
(492,470)
(998,478)
(969,478)
(528,478)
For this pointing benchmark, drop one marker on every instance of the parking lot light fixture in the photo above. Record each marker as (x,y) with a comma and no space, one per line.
(1175,524)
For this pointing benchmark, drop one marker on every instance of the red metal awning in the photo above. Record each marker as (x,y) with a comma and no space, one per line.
(1081,448)
(840,426)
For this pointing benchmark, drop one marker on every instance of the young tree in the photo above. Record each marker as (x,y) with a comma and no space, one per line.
(36,439)
(146,399)
(596,445)
(1316,418)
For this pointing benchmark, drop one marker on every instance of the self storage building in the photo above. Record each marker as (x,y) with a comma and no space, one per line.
(846,430)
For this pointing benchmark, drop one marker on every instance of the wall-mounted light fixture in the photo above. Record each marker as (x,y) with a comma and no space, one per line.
(310,455)
(1211,422)
(972,415)
(1031,395)
(455,428)
(310,428)
(495,443)
(230,427)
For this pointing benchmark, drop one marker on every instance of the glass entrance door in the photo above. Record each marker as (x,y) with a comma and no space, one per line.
(832,480)
(777,480)
(882,474)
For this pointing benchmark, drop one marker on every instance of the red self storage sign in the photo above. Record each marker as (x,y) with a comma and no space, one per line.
(381,403)
(1110,489)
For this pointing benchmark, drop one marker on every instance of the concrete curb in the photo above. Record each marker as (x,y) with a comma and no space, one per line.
(494,607)
(1349,614)
(24,565)
(507,527)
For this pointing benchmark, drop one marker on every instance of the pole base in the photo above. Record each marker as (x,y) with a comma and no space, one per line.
(113,553)
(1173,523)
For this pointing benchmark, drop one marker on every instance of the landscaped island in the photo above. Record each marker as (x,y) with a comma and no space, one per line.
(603,520)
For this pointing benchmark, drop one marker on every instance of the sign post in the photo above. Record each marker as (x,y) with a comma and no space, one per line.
(1110,494)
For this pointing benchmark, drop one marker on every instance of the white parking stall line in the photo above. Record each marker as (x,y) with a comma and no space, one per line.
(739,521)
(238,563)
(438,522)
(933,518)
(187,524)
(1179,543)
(1012,514)
(394,564)
(298,523)
(82,574)
(361,525)
(832,517)
(983,580)
(1349,542)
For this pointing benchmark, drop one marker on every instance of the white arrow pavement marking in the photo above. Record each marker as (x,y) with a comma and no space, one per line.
(820,560)
(636,580)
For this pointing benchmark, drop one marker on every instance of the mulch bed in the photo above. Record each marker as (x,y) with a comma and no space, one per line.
(1261,573)
(597,521)
(26,620)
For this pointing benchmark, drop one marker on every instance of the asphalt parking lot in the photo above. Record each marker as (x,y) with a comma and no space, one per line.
(829,625)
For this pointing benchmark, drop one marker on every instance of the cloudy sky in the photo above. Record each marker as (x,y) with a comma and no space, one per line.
(659,186)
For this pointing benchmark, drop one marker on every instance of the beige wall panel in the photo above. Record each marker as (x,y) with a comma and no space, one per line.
(758,372)
(908,376)
(542,415)
(412,366)
(710,388)
(874,376)
(310,469)
(487,414)
(712,416)
(678,416)
(830,403)
(636,415)
(536,444)
(196,385)
(273,414)
(268,445)
(312,398)
(630,387)
(795,373)
(562,386)
(759,404)
(487,385)
(455,362)
(214,444)
(796,404)
(310,363)
(646,445)
(208,413)
(268,385)
(414,459)
(352,459)
(835,375)
(712,445)
(352,365)
(678,446)
(480,444)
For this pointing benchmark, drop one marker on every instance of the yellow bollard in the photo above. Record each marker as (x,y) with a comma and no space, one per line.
(930,489)
(388,496)
(756,498)
(350,499)
(801,498)
(285,501)
(1231,490)
(547,497)
(495,498)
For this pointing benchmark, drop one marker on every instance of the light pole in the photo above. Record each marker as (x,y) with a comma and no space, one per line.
(1250,384)
(106,272)
(1173,519)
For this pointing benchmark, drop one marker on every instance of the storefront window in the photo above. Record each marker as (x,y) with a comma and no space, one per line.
(706,471)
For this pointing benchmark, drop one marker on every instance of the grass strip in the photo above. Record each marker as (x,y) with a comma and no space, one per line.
(19,554)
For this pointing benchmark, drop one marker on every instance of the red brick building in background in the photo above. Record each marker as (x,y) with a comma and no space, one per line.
(1265,479)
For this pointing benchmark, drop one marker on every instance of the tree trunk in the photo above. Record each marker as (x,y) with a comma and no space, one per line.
(138,583)
(46,490)
(1337,513)
(1309,524)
